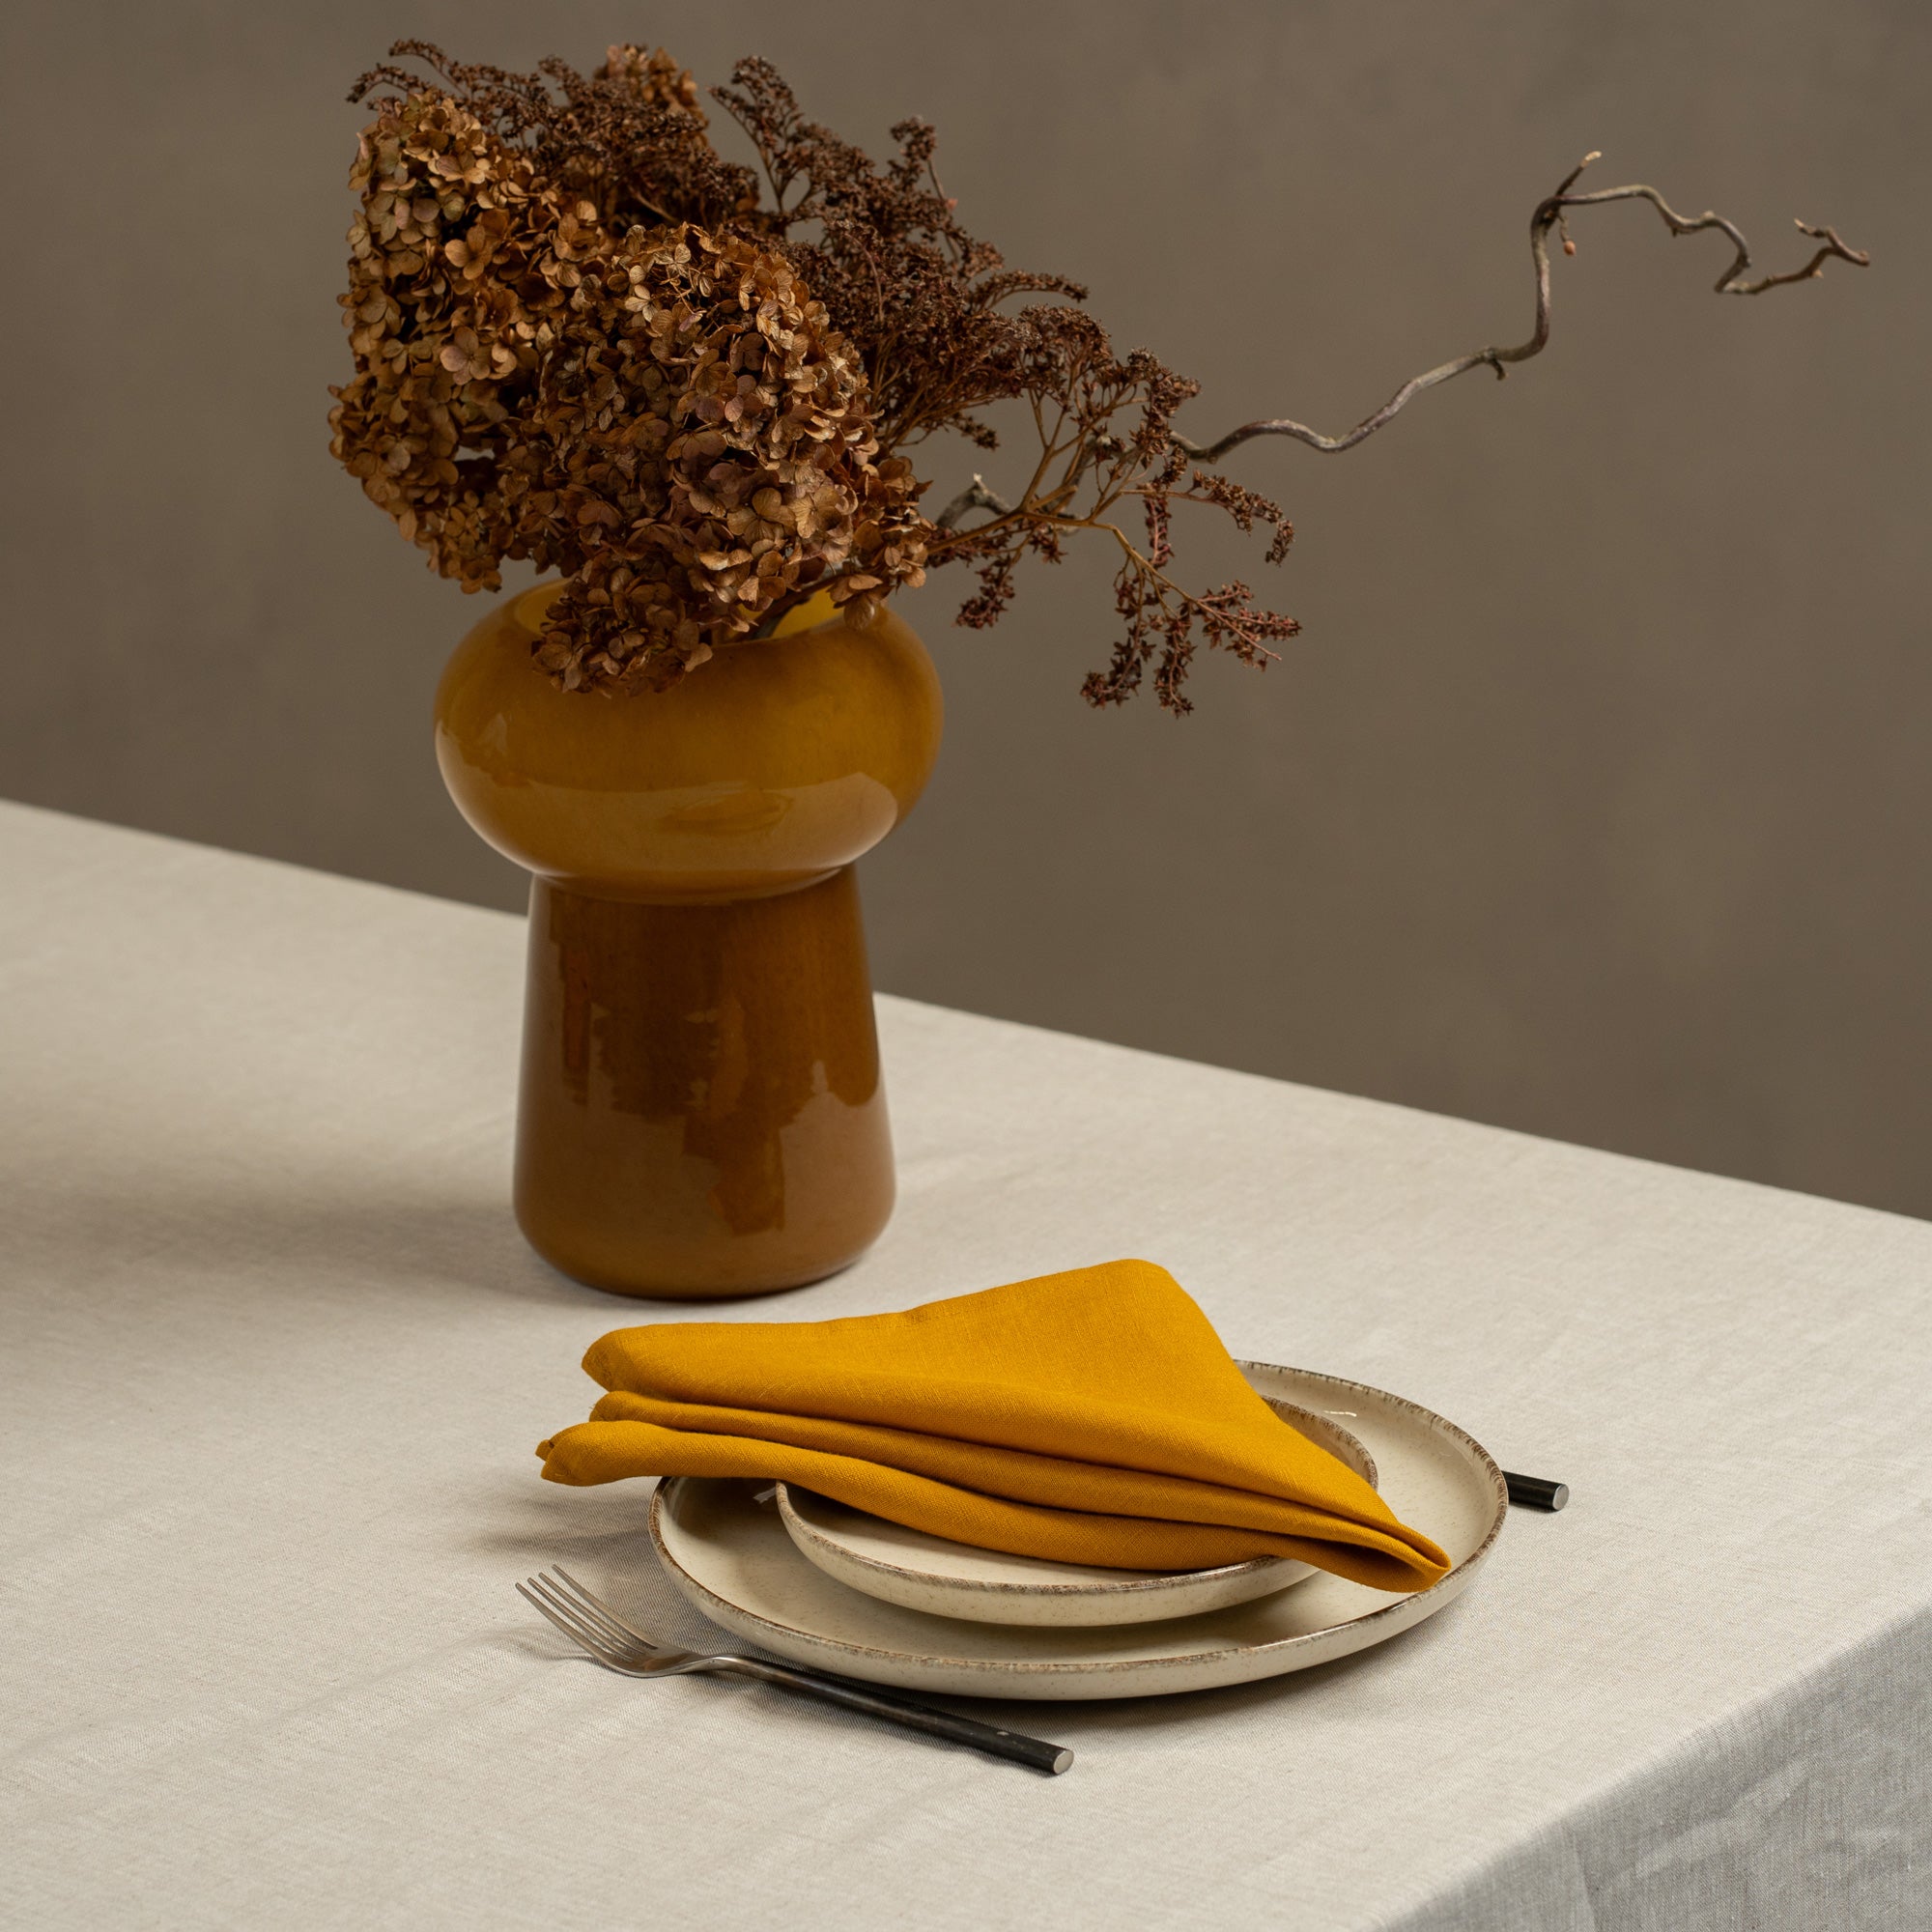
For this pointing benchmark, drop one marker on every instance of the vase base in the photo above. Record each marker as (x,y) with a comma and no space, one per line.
(702,1111)
(692,1282)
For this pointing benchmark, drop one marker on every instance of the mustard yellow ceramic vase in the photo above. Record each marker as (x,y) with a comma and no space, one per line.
(700,1111)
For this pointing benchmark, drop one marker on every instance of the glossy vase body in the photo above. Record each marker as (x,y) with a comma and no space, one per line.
(700,1111)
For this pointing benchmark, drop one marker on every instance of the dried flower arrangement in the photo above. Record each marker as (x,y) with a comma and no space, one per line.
(585,338)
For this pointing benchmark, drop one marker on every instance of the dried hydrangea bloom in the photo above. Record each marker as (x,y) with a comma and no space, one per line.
(460,263)
(654,77)
(670,419)
(704,452)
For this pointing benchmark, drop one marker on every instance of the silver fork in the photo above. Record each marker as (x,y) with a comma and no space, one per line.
(595,1627)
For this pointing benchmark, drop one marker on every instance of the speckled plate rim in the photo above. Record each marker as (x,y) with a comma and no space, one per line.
(1138,1590)
(1063,1678)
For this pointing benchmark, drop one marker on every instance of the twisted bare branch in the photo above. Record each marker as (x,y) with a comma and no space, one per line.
(1549,215)
(975,497)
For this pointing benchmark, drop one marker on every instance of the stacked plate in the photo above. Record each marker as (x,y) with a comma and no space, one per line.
(823,1585)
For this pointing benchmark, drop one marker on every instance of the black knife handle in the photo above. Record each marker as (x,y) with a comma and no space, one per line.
(1016,1749)
(1536,1492)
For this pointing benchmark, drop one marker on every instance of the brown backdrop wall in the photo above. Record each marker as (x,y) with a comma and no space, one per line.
(1594,800)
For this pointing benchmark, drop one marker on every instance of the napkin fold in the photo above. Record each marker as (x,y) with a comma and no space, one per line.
(1088,1417)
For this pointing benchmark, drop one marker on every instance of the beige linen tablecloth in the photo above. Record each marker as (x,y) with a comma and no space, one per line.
(274,1359)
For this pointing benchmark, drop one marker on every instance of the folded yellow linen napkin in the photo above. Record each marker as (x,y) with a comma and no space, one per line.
(1087,1417)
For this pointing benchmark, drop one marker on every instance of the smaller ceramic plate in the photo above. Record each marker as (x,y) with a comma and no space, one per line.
(927,1573)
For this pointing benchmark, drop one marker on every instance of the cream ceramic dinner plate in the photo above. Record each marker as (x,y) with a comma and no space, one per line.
(945,1579)
(735,1560)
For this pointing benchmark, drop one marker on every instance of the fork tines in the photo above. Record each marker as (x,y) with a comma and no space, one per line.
(585,1619)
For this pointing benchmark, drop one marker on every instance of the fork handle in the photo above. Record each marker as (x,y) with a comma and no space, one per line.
(1016,1749)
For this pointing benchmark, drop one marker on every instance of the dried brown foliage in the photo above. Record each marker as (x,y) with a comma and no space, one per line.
(665,415)
(701,453)
(583,339)
(461,263)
